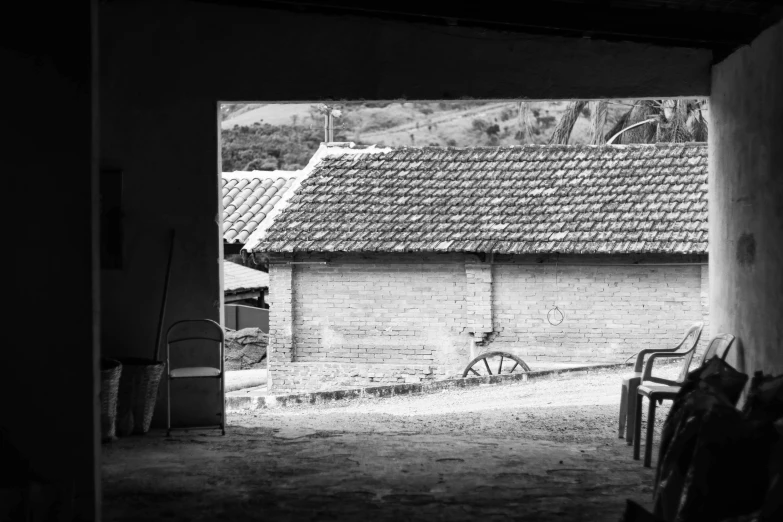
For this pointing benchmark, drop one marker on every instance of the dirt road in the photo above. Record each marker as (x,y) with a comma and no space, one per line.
(568,409)
(541,451)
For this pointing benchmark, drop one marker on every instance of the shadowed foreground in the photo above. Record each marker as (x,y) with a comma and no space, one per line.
(545,451)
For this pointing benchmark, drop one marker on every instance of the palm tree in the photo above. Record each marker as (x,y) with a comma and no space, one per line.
(598,110)
(525,131)
(565,126)
(647,121)
(656,121)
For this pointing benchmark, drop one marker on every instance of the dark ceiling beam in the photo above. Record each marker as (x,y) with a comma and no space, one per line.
(599,19)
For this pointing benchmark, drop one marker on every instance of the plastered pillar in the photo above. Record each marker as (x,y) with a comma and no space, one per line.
(746,201)
(479,300)
(281,338)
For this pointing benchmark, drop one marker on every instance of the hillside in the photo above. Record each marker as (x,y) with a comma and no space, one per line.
(284,136)
(273,114)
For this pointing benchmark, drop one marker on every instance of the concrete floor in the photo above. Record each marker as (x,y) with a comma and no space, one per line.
(543,451)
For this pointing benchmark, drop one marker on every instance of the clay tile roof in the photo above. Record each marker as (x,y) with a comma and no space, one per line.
(248,198)
(529,199)
(238,278)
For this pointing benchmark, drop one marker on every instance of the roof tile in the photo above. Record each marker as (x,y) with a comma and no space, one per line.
(248,198)
(238,278)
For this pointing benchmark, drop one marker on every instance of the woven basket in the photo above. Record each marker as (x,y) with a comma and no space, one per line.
(138,393)
(111,371)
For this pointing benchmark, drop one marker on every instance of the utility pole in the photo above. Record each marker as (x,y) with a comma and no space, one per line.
(328,127)
(329,114)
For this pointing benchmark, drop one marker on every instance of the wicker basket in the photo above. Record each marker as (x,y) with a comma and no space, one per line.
(138,393)
(111,370)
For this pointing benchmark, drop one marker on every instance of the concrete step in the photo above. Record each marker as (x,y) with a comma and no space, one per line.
(243,379)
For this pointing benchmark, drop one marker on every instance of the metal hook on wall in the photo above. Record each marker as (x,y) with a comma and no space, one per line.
(552,316)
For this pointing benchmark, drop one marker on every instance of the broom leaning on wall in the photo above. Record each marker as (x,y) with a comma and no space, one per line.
(140,378)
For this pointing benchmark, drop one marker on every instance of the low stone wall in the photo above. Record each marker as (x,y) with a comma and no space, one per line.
(310,376)
(245,349)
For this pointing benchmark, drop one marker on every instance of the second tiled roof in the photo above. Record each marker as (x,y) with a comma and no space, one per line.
(238,278)
(248,198)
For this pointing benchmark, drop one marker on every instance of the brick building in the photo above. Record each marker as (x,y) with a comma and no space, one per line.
(397,265)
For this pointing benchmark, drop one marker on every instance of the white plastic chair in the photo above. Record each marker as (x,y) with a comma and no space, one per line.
(718,347)
(190,330)
(685,350)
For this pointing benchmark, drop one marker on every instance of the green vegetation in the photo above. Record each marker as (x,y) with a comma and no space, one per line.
(251,144)
(270,147)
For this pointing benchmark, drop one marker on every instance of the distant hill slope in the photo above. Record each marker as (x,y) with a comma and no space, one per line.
(281,136)
(273,114)
(489,124)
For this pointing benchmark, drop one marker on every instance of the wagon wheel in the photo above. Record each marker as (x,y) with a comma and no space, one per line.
(502,362)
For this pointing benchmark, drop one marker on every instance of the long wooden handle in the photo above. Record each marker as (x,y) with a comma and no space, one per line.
(165,297)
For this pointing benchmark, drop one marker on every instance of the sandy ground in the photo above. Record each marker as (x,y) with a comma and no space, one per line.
(568,409)
(542,451)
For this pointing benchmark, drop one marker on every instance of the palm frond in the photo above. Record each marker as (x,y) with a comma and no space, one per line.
(697,124)
(678,130)
(643,110)
(619,125)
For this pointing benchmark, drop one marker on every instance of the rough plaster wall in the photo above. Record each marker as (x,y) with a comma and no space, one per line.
(165,65)
(611,312)
(706,333)
(746,200)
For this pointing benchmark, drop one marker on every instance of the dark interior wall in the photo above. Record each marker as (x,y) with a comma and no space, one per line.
(163,68)
(49,385)
(746,200)
(165,65)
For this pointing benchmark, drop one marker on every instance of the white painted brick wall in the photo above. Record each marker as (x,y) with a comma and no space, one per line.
(411,313)
(340,323)
(611,312)
(478,297)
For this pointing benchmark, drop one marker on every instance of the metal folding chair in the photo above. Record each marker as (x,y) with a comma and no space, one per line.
(195,330)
